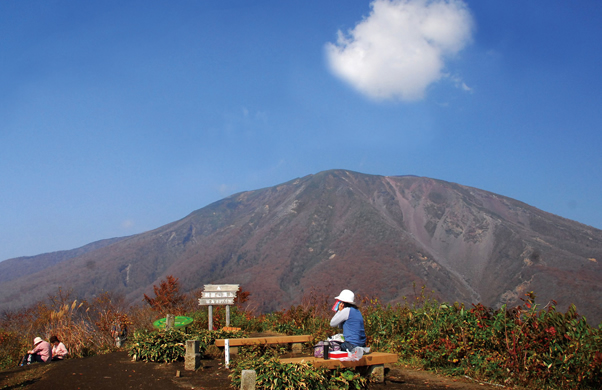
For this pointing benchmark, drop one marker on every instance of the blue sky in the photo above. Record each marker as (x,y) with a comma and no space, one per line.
(119,117)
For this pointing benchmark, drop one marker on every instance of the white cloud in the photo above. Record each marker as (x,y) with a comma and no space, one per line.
(459,83)
(400,48)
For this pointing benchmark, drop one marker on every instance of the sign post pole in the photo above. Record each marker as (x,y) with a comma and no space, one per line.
(210,317)
(227,315)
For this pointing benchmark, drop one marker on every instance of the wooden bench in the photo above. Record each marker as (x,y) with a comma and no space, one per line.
(231,329)
(375,362)
(265,340)
(295,340)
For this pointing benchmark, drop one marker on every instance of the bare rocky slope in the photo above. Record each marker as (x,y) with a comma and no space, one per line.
(377,235)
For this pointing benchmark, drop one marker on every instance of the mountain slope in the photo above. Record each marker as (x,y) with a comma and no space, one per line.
(20,266)
(340,229)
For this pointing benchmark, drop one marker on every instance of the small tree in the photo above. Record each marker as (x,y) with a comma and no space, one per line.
(168,299)
(241,297)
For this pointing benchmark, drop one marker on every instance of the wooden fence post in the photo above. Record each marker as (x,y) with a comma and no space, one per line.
(192,359)
(247,380)
(170,321)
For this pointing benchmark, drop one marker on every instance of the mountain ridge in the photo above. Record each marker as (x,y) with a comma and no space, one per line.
(378,235)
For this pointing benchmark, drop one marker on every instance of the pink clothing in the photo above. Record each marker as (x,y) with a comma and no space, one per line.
(44,350)
(59,351)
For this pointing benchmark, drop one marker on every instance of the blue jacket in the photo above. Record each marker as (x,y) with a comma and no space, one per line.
(352,322)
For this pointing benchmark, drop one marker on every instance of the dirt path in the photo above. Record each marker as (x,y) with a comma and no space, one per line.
(117,371)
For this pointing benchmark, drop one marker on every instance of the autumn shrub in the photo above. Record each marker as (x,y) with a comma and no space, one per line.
(312,316)
(106,310)
(168,298)
(84,327)
(252,323)
(16,328)
(55,316)
(11,347)
(70,323)
(525,345)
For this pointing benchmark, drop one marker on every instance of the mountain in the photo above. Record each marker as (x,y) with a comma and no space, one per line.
(376,235)
(20,266)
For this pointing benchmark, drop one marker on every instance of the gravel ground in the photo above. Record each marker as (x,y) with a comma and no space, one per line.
(117,371)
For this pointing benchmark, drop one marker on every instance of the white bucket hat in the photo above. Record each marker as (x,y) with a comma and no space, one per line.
(37,341)
(346,296)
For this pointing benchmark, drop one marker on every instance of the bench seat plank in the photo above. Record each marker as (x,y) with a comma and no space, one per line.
(265,340)
(372,359)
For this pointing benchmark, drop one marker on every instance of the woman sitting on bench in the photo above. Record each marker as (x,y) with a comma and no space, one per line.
(349,318)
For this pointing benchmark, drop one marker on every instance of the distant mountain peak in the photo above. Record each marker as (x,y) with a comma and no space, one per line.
(377,235)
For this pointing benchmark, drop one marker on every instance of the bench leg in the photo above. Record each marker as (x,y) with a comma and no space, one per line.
(377,373)
(297,348)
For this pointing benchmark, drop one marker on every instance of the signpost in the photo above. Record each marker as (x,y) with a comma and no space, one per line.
(218,294)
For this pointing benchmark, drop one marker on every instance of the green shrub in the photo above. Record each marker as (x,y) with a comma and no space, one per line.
(167,346)
(344,379)
(159,346)
(271,374)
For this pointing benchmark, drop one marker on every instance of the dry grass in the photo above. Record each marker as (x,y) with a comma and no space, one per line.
(84,327)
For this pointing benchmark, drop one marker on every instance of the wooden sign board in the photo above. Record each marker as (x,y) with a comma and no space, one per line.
(218,294)
(216,301)
(221,287)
